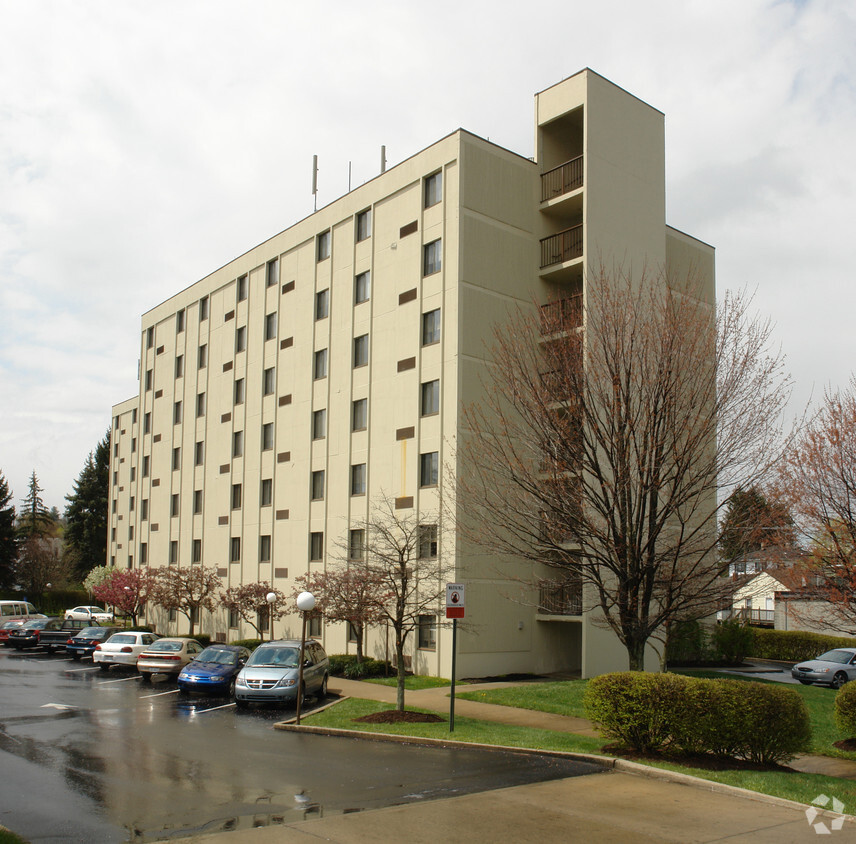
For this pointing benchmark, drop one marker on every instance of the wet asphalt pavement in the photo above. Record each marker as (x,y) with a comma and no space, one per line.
(87,756)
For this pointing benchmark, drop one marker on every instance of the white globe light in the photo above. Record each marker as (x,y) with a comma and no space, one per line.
(306,602)
(270,597)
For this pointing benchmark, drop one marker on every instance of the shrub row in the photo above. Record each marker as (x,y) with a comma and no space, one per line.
(794,645)
(249,644)
(676,714)
(845,709)
(346,665)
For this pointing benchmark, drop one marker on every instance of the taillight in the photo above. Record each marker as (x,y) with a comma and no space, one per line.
(126,650)
(70,642)
(37,635)
(98,647)
(171,657)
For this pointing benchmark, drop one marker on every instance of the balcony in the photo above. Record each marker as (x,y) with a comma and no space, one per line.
(754,618)
(560,598)
(563,246)
(562,315)
(563,179)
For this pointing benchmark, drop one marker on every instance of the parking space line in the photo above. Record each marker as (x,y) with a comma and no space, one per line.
(121,679)
(160,694)
(213,708)
(73,670)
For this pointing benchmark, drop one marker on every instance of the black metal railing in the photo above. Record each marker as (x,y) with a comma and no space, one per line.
(562,179)
(562,315)
(561,598)
(562,246)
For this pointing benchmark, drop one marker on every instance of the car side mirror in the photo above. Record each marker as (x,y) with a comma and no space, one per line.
(307,663)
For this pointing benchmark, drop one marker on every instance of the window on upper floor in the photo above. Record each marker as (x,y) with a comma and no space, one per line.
(238,444)
(179,366)
(322,304)
(147,423)
(200,404)
(236,496)
(432,255)
(364,225)
(317,486)
(361,350)
(239,391)
(199,453)
(323,246)
(429,468)
(316,545)
(197,551)
(177,413)
(358,479)
(270,326)
(203,356)
(320,365)
(427,541)
(357,544)
(150,337)
(431,327)
(241,339)
(242,286)
(430,397)
(203,308)
(266,493)
(269,381)
(319,424)
(173,505)
(359,414)
(146,466)
(264,548)
(433,189)
(197,502)
(173,552)
(272,272)
(149,379)
(179,321)
(267,436)
(235,549)
(362,287)
(176,458)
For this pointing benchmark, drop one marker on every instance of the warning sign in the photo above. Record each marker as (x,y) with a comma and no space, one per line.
(455,600)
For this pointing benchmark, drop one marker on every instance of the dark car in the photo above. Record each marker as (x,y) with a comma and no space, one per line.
(55,633)
(83,643)
(214,670)
(28,634)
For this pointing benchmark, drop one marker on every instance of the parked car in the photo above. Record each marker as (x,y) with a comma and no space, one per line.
(834,668)
(18,611)
(167,656)
(55,633)
(90,614)
(83,643)
(8,626)
(27,635)
(214,670)
(271,672)
(122,648)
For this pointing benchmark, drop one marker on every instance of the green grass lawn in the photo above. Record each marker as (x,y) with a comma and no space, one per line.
(412,682)
(791,786)
(560,698)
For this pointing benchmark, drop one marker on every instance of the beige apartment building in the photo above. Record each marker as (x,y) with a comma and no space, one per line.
(286,393)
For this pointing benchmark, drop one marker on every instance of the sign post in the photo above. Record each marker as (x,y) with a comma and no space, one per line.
(454,610)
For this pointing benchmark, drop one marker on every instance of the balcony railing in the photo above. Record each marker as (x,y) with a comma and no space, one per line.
(562,179)
(562,315)
(750,616)
(560,599)
(563,246)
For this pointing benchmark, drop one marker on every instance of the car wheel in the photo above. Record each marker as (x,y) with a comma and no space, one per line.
(75,657)
(182,692)
(231,692)
(322,692)
(104,666)
(147,678)
(839,680)
(806,682)
(241,704)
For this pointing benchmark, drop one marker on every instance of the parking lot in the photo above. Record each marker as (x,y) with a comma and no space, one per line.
(91,756)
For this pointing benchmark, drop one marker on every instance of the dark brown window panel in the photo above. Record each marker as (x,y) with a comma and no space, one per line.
(283,400)
(224,468)
(405,433)
(226,417)
(157,438)
(280,573)
(160,350)
(404,503)
(222,573)
(410,228)
(286,343)
(407,296)
(287,288)
(227,366)
(156,482)
(283,457)
(223,520)
(230,315)
(407,363)
(158,394)
(154,527)
(282,514)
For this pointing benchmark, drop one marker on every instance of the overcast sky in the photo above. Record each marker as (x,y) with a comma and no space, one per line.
(145,144)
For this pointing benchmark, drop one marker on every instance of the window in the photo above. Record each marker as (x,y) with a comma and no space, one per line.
(133,474)
(197,501)
(234,618)
(241,339)
(323,245)
(267,436)
(358,479)
(320,368)
(359,414)
(322,304)
(236,496)
(197,551)
(431,327)
(433,189)
(133,418)
(150,340)
(131,504)
(319,424)
(269,381)
(203,356)
(133,444)
(176,458)
(146,466)
(316,546)
(176,413)
(430,397)
(429,468)
(179,366)
(199,454)
(242,285)
(266,492)
(427,640)
(362,287)
(432,257)
(200,404)
(352,632)
(239,391)
(270,326)
(361,350)
(173,552)
(144,553)
(318,485)
(427,541)
(179,321)
(235,550)
(364,225)
(144,509)
(238,444)
(272,272)
(357,544)
(147,423)
(313,628)
(149,379)
(203,308)
(115,477)
(264,549)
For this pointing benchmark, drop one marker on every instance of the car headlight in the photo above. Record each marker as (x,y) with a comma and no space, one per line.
(285,682)
(821,670)
(241,682)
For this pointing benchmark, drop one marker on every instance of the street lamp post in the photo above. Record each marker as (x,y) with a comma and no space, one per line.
(305,603)
(271,600)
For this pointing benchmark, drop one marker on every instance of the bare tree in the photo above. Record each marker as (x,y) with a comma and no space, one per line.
(250,601)
(186,590)
(817,479)
(40,563)
(604,436)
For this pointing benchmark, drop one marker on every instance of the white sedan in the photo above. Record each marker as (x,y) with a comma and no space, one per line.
(98,614)
(122,649)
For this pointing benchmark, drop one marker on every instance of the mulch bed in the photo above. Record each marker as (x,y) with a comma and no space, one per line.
(846,744)
(700,760)
(393,716)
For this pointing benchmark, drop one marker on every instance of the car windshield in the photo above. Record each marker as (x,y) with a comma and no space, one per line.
(91,633)
(837,656)
(123,639)
(35,625)
(218,655)
(280,657)
(165,645)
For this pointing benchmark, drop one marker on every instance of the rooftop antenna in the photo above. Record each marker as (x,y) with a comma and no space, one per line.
(349,177)
(383,158)
(315,182)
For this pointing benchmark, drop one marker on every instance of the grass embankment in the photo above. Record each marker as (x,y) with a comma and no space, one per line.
(565,698)
(7,837)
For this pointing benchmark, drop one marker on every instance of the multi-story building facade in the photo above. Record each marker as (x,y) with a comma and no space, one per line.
(286,393)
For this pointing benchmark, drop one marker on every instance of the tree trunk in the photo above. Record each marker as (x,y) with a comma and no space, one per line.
(636,654)
(358,633)
(399,658)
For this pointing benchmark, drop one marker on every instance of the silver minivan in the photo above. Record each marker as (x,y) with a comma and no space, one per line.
(270,675)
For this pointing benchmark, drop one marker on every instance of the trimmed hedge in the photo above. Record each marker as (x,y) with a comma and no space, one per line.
(346,665)
(845,709)
(249,644)
(672,713)
(794,645)
(733,639)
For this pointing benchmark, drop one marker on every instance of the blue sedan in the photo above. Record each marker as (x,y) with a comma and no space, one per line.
(214,670)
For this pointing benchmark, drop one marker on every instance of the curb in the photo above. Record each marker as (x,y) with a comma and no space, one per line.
(606,762)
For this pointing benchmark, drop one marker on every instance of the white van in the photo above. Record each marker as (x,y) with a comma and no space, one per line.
(17,610)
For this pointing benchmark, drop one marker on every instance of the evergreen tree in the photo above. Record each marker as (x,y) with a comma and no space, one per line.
(35,519)
(86,511)
(753,523)
(8,536)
